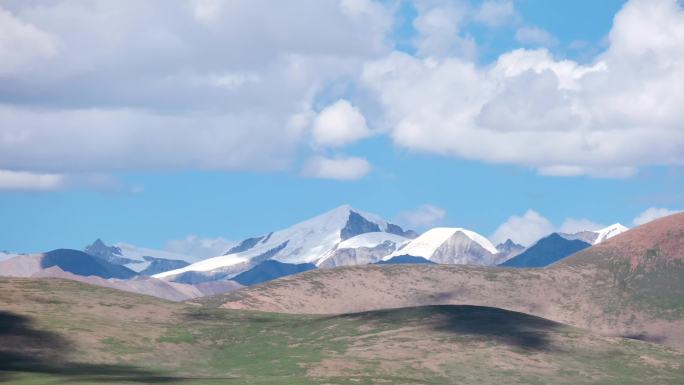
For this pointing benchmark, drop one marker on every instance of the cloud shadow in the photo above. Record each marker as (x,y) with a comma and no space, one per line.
(26,349)
(515,329)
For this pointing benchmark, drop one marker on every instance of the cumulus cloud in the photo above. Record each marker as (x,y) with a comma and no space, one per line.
(196,246)
(535,36)
(30,181)
(572,225)
(339,168)
(21,180)
(135,86)
(496,13)
(532,226)
(339,124)
(90,140)
(653,213)
(606,118)
(23,46)
(425,215)
(439,32)
(525,229)
(207,10)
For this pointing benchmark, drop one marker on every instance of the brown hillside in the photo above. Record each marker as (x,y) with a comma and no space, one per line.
(663,238)
(605,295)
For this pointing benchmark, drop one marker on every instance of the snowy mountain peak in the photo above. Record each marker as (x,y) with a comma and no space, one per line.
(509,248)
(481,240)
(609,232)
(450,245)
(98,243)
(371,239)
(139,259)
(108,253)
(362,249)
(304,242)
(507,245)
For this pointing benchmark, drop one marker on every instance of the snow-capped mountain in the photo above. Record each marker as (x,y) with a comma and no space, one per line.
(584,236)
(305,242)
(609,232)
(597,236)
(509,249)
(139,259)
(362,249)
(452,246)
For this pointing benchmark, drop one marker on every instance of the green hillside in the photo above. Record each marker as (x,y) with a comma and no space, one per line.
(57,331)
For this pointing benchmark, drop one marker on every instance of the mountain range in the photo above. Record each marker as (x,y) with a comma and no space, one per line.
(343,236)
(312,241)
(141,260)
(80,266)
(631,284)
(375,307)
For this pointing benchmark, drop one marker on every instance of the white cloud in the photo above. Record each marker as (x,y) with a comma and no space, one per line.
(135,86)
(496,13)
(22,45)
(572,225)
(27,181)
(207,10)
(525,229)
(532,226)
(199,247)
(439,31)
(30,181)
(132,139)
(339,124)
(425,215)
(535,36)
(601,172)
(651,214)
(138,86)
(605,119)
(339,168)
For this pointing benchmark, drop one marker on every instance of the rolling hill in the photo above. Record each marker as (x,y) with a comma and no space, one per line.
(58,331)
(631,284)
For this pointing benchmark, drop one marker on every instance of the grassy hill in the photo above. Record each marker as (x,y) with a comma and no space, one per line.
(631,285)
(58,331)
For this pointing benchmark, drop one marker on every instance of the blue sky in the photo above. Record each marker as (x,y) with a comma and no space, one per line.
(139,150)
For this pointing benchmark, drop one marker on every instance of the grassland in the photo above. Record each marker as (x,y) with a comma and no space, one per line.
(62,332)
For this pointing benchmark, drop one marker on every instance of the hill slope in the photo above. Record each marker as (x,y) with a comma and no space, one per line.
(631,284)
(57,331)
